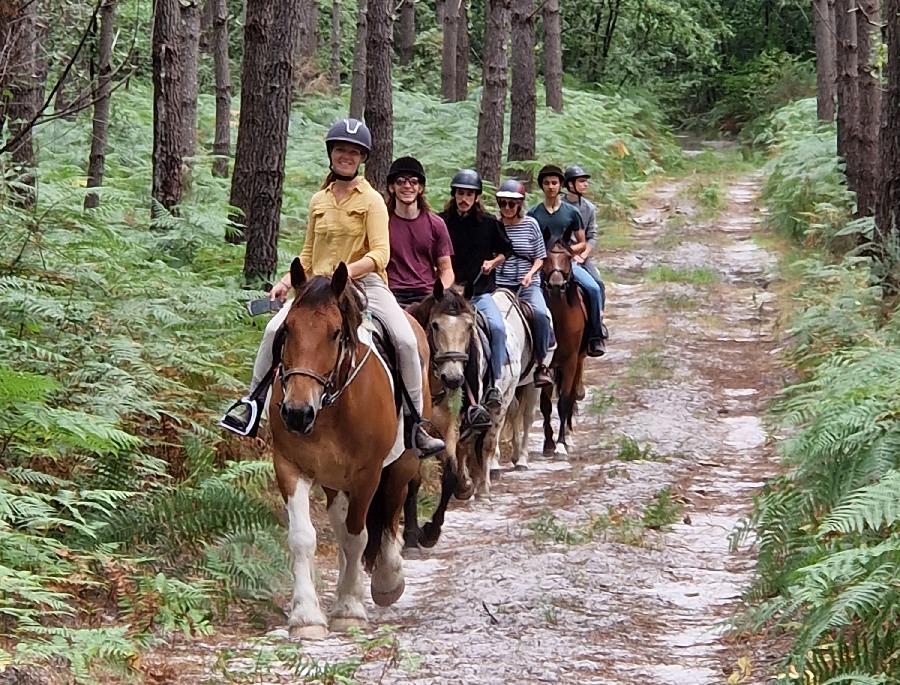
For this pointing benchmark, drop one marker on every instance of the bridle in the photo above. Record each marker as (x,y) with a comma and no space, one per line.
(567,278)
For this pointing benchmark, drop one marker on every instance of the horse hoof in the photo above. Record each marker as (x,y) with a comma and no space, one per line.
(466,492)
(411,540)
(341,624)
(561,450)
(385,599)
(429,536)
(520,467)
(312,632)
(495,475)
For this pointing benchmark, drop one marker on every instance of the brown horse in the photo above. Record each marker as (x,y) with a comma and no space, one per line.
(336,426)
(569,324)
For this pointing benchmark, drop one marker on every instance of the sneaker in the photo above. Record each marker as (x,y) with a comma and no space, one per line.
(492,399)
(426,445)
(475,418)
(243,417)
(542,377)
(596,347)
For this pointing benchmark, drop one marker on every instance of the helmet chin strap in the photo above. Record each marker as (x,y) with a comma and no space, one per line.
(341,177)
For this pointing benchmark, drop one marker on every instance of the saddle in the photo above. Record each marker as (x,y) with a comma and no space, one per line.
(384,344)
(526,311)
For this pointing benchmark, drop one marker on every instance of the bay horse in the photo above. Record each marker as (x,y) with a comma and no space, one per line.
(337,426)
(570,325)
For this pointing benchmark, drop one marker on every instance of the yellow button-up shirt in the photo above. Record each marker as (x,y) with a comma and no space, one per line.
(346,231)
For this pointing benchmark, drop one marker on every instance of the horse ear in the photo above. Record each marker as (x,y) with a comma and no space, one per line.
(438,291)
(298,275)
(468,290)
(339,279)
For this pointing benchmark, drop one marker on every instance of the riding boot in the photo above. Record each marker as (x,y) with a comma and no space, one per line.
(424,444)
(542,376)
(244,416)
(596,347)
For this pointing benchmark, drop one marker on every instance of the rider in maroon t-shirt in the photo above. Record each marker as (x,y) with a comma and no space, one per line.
(420,244)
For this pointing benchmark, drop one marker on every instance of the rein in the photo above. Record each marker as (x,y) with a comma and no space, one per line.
(451,356)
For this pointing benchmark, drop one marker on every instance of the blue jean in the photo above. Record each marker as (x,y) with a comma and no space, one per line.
(541,326)
(594,302)
(486,305)
(591,268)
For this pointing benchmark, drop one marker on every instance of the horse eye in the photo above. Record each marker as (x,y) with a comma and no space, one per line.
(336,335)
(434,325)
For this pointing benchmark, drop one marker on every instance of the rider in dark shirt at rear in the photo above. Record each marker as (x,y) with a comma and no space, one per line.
(479,246)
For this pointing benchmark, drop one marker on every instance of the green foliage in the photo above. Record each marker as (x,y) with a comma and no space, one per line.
(631,450)
(698,276)
(663,510)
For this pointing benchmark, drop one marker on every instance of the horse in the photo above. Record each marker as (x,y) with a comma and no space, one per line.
(337,426)
(570,325)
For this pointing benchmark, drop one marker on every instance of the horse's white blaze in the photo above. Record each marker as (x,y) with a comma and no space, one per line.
(305,608)
(387,575)
(350,589)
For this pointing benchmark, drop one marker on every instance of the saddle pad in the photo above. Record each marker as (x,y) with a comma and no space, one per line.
(366,336)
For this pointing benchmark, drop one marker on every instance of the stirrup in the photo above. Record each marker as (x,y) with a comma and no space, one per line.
(248,428)
(476,419)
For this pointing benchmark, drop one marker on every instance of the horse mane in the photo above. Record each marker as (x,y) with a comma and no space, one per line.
(452,303)
(317,292)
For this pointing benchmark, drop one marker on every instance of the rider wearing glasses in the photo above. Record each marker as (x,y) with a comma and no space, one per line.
(420,245)
(521,271)
(348,223)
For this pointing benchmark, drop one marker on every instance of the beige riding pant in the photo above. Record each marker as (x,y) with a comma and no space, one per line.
(385,307)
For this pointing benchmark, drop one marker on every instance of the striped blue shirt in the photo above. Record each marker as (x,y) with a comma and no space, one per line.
(528,245)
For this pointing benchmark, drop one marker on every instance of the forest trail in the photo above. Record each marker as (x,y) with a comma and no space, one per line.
(612,566)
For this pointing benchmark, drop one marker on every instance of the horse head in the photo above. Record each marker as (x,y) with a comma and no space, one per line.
(449,322)
(558,272)
(316,346)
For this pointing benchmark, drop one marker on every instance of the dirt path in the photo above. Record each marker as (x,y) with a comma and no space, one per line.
(611,566)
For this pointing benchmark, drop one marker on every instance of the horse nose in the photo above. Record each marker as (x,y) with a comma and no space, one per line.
(556,280)
(451,381)
(298,418)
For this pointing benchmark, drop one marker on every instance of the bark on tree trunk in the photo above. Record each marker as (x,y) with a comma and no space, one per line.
(823,17)
(440,7)
(553,71)
(25,85)
(358,83)
(207,28)
(462,53)
(222,140)
(190,39)
(379,104)
(887,216)
(407,38)
(448,51)
(522,89)
(97,159)
(306,40)
(256,183)
(491,117)
(868,28)
(335,75)
(847,87)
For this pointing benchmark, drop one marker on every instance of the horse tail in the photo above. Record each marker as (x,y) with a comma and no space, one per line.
(431,531)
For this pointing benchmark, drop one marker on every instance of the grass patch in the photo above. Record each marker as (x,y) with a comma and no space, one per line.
(663,510)
(708,195)
(678,302)
(617,235)
(601,401)
(649,364)
(667,274)
(631,450)
(613,526)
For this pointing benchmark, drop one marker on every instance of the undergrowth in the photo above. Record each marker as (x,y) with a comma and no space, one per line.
(125,515)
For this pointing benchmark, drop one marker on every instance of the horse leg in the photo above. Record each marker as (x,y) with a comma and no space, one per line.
(385,561)
(306,620)
(347,516)
(547,411)
(431,531)
(482,464)
(411,530)
(566,404)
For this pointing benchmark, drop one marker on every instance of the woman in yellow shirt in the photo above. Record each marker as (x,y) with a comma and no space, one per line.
(348,222)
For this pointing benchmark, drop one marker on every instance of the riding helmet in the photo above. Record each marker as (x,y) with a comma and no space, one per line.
(511,189)
(550,170)
(574,172)
(466,178)
(406,165)
(349,131)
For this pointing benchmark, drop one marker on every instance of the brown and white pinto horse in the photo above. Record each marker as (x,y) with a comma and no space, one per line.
(335,426)
(569,324)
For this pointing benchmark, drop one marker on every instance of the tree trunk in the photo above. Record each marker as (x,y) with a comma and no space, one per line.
(207,26)
(489,151)
(358,83)
(379,104)
(448,51)
(522,89)
(553,71)
(23,82)
(887,216)
(258,177)
(847,87)
(440,7)
(176,26)
(823,17)
(407,38)
(335,75)
(306,40)
(222,140)
(868,30)
(462,53)
(97,159)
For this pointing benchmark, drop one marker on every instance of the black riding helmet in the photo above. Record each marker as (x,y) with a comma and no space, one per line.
(466,178)
(550,170)
(348,131)
(406,165)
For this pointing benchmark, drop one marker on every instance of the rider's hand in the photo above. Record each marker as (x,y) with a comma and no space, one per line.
(279,291)
(579,259)
(487,266)
(526,280)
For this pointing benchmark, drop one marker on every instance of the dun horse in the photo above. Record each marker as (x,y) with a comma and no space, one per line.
(569,322)
(337,426)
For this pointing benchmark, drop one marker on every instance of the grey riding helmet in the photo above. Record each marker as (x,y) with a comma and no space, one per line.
(573,173)
(511,189)
(348,130)
(468,179)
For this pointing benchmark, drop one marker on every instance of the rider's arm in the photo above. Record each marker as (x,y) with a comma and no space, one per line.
(445,271)
(379,253)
